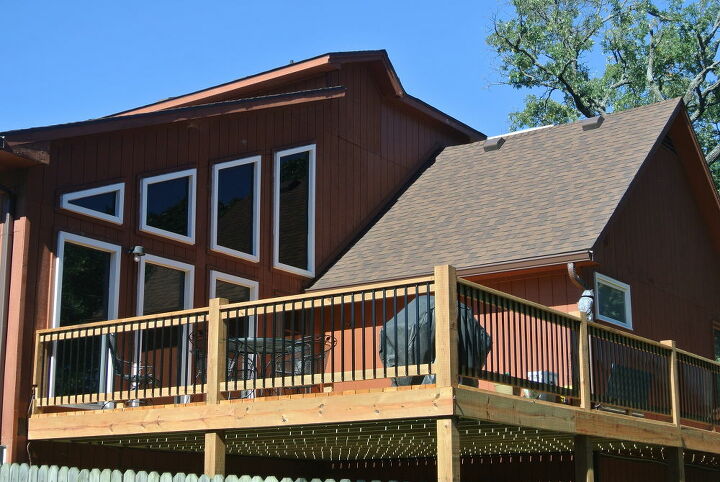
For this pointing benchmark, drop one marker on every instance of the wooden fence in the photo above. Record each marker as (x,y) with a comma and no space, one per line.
(53,473)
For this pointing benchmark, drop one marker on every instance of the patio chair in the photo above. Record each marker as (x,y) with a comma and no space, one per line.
(304,356)
(138,376)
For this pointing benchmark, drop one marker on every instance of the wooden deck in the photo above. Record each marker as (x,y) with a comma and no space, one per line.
(465,412)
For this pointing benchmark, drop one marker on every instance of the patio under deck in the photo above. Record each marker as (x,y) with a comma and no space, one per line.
(355,415)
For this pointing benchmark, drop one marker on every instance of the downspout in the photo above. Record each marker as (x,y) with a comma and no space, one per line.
(7,212)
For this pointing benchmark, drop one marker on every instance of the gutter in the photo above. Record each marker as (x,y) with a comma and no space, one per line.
(7,212)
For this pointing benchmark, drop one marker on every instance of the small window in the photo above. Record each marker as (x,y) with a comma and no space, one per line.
(168,205)
(104,202)
(236,208)
(612,299)
(294,210)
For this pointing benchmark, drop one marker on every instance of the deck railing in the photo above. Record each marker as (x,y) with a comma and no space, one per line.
(395,333)
(275,346)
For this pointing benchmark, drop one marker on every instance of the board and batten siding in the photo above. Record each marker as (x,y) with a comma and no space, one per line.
(368,146)
(659,244)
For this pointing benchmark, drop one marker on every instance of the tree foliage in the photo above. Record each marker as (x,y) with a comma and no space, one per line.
(645,52)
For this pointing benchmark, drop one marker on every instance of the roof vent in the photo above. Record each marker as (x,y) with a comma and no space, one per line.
(493,144)
(592,122)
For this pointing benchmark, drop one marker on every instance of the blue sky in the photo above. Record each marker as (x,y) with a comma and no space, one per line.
(74,60)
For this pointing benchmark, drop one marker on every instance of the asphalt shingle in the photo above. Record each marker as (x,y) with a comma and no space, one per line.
(544,192)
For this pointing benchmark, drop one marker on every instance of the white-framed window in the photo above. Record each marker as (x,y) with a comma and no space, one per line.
(235,208)
(164,285)
(167,205)
(233,288)
(86,289)
(612,301)
(294,211)
(104,202)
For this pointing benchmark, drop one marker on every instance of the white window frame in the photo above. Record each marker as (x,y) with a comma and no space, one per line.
(188,269)
(255,257)
(618,285)
(216,276)
(311,214)
(119,188)
(192,211)
(113,294)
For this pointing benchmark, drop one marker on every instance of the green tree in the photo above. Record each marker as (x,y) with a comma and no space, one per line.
(651,52)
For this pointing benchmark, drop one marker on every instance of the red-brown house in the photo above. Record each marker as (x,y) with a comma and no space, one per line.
(324,179)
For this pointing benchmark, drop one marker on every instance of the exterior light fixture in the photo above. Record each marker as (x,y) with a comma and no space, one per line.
(137,252)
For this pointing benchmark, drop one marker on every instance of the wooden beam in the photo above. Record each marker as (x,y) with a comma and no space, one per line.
(216,352)
(508,409)
(320,408)
(674,382)
(446,330)
(448,450)
(584,459)
(675,459)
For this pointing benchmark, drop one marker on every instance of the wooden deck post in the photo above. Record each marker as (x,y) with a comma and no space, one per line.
(676,455)
(584,459)
(676,464)
(216,351)
(584,366)
(216,374)
(38,370)
(674,382)
(446,329)
(214,454)
(448,450)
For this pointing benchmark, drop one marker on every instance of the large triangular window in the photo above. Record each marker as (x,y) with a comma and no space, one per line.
(105,202)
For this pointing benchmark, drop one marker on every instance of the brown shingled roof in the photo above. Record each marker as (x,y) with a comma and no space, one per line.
(545,192)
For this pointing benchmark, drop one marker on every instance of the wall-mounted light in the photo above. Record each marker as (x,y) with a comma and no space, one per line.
(137,252)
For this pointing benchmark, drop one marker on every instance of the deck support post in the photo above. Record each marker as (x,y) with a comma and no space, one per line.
(584,459)
(448,450)
(214,454)
(216,360)
(674,382)
(216,374)
(675,457)
(676,464)
(584,366)
(446,326)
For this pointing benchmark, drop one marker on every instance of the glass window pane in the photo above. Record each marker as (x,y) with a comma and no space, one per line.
(164,289)
(611,302)
(294,205)
(234,293)
(167,205)
(103,203)
(84,298)
(85,285)
(235,208)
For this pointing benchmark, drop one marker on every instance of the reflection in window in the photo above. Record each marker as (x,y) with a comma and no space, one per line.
(294,206)
(234,293)
(87,284)
(169,205)
(104,202)
(235,207)
(164,289)
(613,301)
